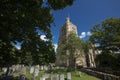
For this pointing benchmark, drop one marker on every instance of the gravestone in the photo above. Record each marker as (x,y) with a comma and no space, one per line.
(42,78)
(80,74)
(42,67)
(31,70)
(36,73)
(69,76)
(45,68)
(46,76)
(23,70)
(4,69)
(57,77)
(62,77)
(13,68)
(49,68)
(10,72)
(54,77)
(17,68)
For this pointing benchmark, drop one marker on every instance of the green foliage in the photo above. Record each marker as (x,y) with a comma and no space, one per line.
(58,4)
(86,45)
(109,61)
(71,49)
(25,21)
(9,53)
(74,45)
(107,36)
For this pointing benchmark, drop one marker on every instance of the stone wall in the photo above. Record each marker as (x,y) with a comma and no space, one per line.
(101,75)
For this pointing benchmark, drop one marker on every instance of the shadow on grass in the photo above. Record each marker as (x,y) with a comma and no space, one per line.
(4,77)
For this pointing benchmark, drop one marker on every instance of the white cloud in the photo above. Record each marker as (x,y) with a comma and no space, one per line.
(83,35)
(89,33)
(55,47)
(43,37)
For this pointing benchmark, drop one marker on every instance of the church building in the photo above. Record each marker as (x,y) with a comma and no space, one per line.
(65,30)
(84,60)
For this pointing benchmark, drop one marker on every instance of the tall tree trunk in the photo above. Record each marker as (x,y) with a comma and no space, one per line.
(8,70)
(1,68)
(75,64)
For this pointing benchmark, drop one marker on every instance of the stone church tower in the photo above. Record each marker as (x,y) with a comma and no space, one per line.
(65,30)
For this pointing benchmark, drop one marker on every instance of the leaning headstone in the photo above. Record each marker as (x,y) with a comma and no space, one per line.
(69,76)
(62,77)
(4,69)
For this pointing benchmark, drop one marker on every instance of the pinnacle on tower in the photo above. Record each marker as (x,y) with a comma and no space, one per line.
(67,20)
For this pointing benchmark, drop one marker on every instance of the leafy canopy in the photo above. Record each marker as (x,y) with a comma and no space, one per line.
(107,35)
(25,21)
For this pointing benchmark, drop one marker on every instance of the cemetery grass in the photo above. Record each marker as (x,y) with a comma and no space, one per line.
(74,75)
(82,76)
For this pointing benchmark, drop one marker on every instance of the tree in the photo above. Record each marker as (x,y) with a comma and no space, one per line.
(25,21)
(71,49)
(107,36)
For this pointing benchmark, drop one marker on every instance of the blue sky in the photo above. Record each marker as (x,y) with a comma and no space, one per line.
(84,14)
